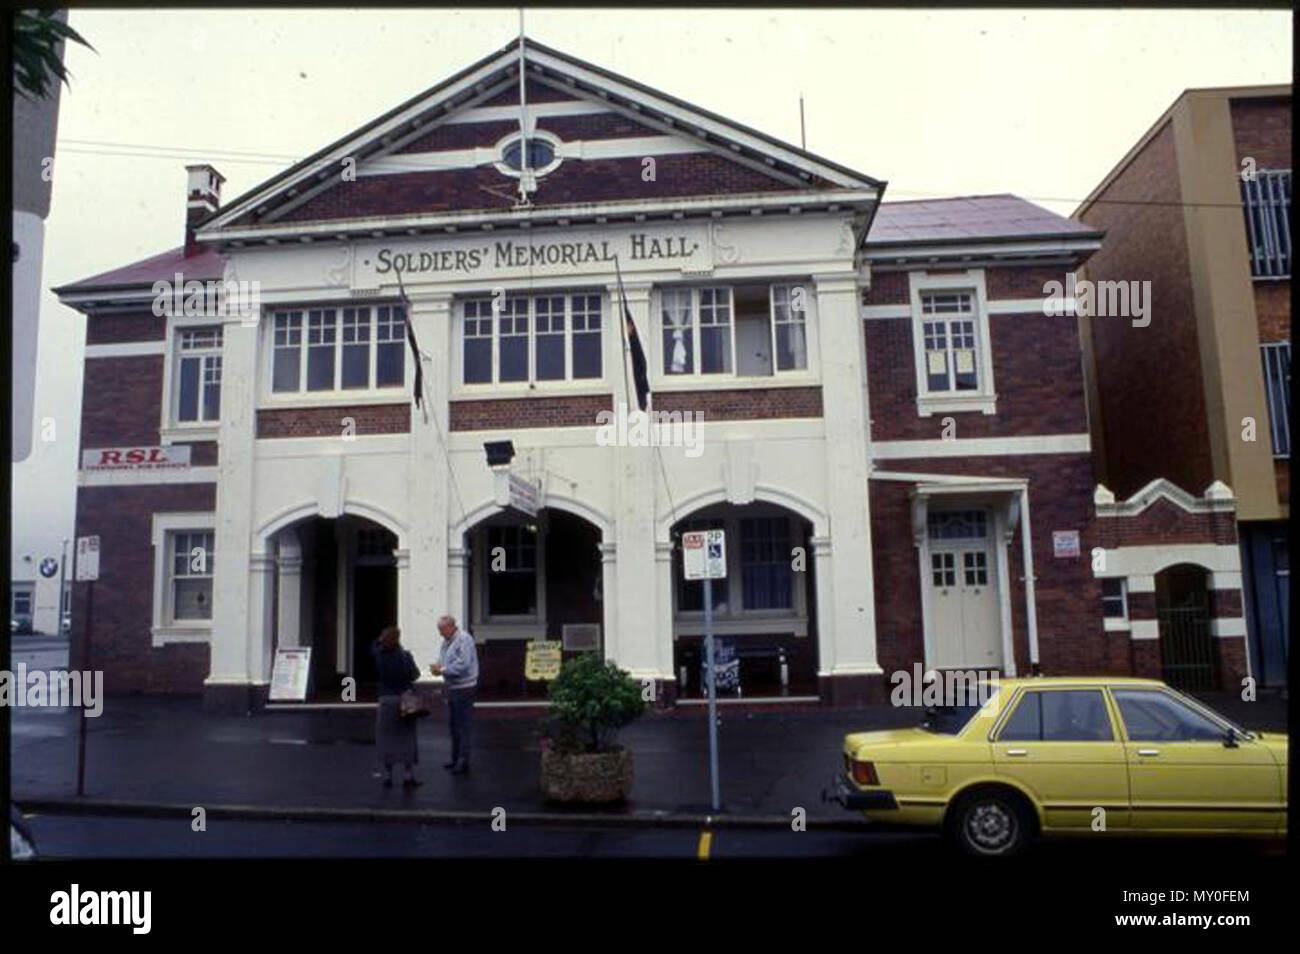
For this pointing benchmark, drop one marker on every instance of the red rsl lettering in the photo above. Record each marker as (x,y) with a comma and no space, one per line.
(110,457)
(136,455)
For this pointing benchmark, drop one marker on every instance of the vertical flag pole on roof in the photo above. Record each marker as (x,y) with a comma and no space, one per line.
(523,120)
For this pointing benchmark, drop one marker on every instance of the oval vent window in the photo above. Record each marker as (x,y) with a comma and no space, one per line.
(540,154)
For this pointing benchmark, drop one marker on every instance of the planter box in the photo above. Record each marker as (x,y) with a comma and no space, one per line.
(591,777)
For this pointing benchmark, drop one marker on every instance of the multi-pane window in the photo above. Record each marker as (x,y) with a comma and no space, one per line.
(198,374)
(511,571)
(957,524)
(790,326)
(191,574)
(547,337)
(336,349)
(1277,388)
(975,568)
(943,569)
(749,330)
(950,336)
(766,572)
(1114,599)
(1267,201)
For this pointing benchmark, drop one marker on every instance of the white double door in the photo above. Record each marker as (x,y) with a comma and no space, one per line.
(964,604)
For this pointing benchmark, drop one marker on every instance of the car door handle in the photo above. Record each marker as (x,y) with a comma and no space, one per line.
(1148,751)
(1017,751)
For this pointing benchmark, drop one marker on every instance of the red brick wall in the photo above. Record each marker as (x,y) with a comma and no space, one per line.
(1273,310)
(1166,523)
(329,421)
(119,329)
(123,608)
(1036,374)
(888,288)
(1070,634)
(744,404)
(1261,128)
(119,401)
(517,413)
(1153,422)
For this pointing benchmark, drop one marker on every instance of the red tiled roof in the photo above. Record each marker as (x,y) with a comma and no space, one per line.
(203,265)
(971,218)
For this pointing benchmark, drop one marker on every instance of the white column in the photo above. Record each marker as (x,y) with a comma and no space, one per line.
(424,591)
(634,642)
(457,564)
(665,643)
(1031,604)
(235,624)
(824,563)
(261,577)
(847,622)
(289,596)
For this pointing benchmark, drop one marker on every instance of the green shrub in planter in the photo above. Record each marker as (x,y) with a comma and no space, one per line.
(590,701)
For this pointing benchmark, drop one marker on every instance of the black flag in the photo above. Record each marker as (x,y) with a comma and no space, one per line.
(415,348)
(639,376)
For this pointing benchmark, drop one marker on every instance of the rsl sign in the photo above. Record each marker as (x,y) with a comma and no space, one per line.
(172,457)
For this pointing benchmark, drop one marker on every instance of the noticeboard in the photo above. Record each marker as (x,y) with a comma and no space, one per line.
(289,675)
(543,658)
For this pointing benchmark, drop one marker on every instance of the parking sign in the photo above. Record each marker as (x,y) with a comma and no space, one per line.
(87,559)
(704,554)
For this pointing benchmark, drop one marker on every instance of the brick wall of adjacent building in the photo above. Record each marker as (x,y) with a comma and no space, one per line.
(122,647)
(1165,522)
(1153,416)
(1261,129)
(332,421)
(1068,597)
(1036,375)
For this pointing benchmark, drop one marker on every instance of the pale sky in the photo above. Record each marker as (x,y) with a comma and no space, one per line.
(1040,104)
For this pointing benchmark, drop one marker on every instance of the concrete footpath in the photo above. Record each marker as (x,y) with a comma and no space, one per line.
(153,756)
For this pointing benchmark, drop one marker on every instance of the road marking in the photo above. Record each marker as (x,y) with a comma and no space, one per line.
(706,842)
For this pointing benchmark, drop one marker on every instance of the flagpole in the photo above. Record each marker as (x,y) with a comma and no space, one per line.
(627,348)
(410,335)
(523,119)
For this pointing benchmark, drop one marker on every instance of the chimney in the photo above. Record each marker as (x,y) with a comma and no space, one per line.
(202,198)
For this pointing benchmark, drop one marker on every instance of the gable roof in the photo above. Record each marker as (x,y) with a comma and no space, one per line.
(967,219)
(764,164)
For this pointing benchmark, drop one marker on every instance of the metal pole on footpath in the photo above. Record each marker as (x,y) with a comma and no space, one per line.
(85,670)
(713,693)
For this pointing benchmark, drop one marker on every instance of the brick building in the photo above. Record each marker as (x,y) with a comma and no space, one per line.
(900,476)
(1200,208)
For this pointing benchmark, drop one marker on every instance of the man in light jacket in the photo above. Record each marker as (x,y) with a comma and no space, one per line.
(458,665)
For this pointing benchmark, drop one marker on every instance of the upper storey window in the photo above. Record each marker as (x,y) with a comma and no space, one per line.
(338,349)
(950,336)
(1267,199)
(198,374)
(524,339)
(743,330)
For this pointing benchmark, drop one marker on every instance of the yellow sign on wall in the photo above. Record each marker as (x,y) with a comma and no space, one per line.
(543,658)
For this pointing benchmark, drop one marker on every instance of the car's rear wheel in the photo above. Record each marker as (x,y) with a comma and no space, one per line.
(991,824)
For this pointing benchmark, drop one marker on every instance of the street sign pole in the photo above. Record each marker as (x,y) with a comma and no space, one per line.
(85,671)
(713,694)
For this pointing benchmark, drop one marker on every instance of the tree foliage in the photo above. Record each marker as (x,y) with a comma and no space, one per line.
(36,51)
(590,701)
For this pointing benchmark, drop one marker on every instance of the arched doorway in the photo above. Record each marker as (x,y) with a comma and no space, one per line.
(335,590)
(764,612)
(531,578)
(1187,657)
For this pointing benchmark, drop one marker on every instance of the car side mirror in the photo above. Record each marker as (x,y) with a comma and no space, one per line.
(1230,739)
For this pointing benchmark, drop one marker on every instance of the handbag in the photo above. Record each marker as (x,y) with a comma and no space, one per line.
(412,705)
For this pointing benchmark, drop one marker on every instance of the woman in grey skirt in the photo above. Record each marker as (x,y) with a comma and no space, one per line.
(394,736)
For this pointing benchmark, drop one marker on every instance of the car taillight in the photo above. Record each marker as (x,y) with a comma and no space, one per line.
(864,773)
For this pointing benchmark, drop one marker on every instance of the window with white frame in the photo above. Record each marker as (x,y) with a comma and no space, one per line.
(511,580)
(189,586)
(555,336)
(197,374)
(1277,389)
(749,329)
(1114,598)
(951,341)
(328,349)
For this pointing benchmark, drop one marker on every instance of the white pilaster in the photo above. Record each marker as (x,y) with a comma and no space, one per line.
(289,583)
(847,620)
(424,592)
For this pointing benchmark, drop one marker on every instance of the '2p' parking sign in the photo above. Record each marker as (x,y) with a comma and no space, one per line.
(704,554)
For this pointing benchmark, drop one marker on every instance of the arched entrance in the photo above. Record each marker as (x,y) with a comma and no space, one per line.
(335,590)
(764,612)
(531,578)
(1187,657)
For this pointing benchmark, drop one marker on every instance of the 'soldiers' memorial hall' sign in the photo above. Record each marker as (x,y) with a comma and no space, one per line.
(560,255)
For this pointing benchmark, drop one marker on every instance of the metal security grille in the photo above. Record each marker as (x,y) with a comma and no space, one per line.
(1186,651)
(1277,386)
(1267,199)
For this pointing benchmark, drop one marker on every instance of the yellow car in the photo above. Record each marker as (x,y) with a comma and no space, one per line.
(1068,755)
